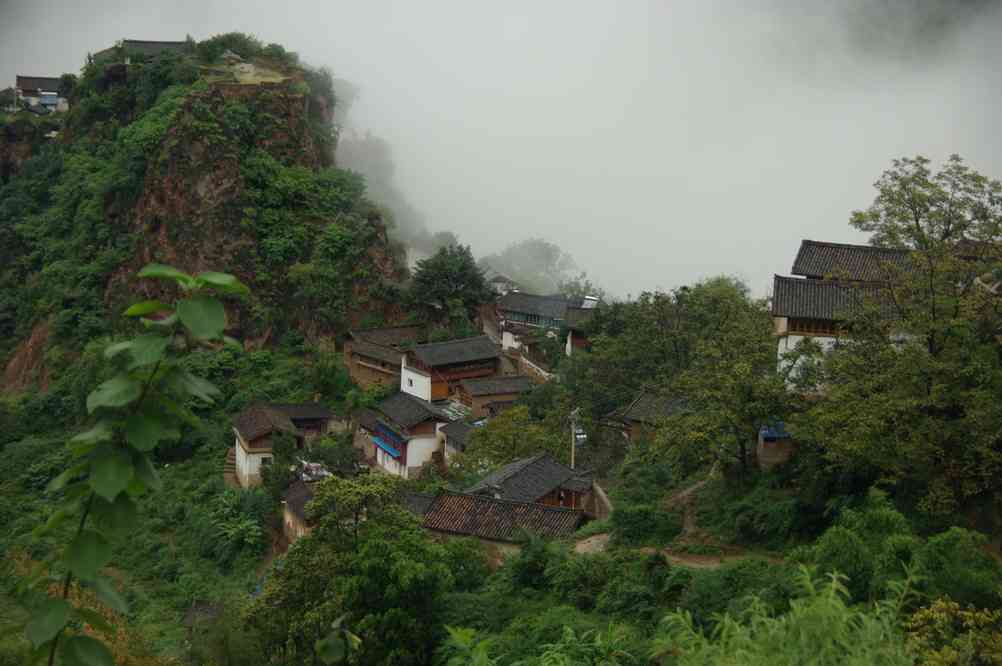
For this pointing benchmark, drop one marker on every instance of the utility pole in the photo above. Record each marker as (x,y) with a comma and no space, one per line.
(574,432)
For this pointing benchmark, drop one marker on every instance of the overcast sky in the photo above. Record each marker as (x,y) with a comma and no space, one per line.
(657,142)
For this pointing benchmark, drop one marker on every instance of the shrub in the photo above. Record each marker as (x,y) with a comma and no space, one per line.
(645,524)
(714,591)
(955,564)
(841,550)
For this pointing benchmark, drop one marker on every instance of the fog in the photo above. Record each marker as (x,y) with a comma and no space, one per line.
(657,143)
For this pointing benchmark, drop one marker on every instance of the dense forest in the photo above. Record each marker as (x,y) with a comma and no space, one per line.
(186,244)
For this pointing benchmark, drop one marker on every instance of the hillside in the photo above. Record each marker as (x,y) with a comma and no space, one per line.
(194,162)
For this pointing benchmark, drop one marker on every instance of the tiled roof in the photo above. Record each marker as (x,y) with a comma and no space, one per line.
(458,432)
(456,351)
(529,479)
(499,520)
(386,354)
(33,83)
(296,498)
(829,300)
(407,411)
(650,407)
(847,262)
(388,336)
(260,419)
(578,318)
(553,307)
(302,410)
(496,385)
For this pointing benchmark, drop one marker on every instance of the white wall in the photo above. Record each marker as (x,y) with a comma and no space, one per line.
(389,463)
(248,465)
(787,343)
(510,341)
(415,382)
(420,449)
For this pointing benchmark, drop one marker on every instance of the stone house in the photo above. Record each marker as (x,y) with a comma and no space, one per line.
(480,394)
(540,479)
(255,426)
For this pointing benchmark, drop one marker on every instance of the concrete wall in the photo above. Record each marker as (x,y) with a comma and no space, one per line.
(415,382)
(510,341)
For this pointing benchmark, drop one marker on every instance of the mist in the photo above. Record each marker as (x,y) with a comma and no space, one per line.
(656,143)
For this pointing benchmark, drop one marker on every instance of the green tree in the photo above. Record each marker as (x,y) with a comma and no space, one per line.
(511,435)
(538,266)
(146,402)
(911,393)
(447,280)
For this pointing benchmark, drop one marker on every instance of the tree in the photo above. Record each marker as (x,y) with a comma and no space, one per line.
(580,286)
(449,278)
(911,393)
(511,435)
(537,265)
(729,383)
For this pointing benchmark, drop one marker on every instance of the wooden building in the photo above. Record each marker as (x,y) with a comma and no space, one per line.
(540,479)
(374,356)
(433,371)
(483,396)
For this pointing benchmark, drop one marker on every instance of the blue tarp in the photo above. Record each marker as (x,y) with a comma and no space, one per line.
(381,443)
(774,430)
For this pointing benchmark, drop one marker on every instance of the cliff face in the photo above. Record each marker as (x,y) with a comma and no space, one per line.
(206,174)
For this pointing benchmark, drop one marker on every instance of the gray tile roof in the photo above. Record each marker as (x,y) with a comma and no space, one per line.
(499,520)
(388,336)
(829,300)
(847,262)
(458,432)
(496,385)
(457,351)
(529,479)
(261,419)
(577,318)
(382,353)
(35,83)
(650,407)
(553,307)
(407,411)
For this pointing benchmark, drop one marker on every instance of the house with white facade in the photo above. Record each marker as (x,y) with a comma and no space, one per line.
(255,427)
(523,317)
(833,282)
(39,92)
(433,371)
(401,434)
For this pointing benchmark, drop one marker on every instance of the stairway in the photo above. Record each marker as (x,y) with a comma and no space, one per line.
(230,468)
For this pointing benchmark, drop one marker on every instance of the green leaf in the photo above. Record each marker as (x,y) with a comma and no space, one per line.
(147,350)
(103,431)
(145,472)
(87,553)
(332,649)
(204,316)
(95,620)
(57,518)
(119,514)
(107,593)
(86,651)
(233,343)
(169,320)
(162,272)
(186,384)
(144,308)
(143,432)
(65,477)
(47,621)
(116,392)
(110,473)
(111,351)
(223,282)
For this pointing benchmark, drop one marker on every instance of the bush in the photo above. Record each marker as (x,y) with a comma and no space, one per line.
(955,564)
(714,591)
(645,524)
(841,550)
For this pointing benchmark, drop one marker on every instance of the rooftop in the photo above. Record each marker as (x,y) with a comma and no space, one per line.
(388,336)
(818,259)
(529,479)
(496,385)
(407,411)
(459,432)
(552,307)
(261,419)
(649,407)
(384,353)
(499,520)
(456,351)
(828,300)
(34,83)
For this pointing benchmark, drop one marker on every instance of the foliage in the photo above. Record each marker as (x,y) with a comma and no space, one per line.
(145,403)
(536,265)
(820,627)
(954,563)
(449,283)
(511,435)
(726,589)
(922,362)
(946,634)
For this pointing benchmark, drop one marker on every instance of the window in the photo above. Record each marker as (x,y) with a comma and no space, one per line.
(266,461)
(410,382)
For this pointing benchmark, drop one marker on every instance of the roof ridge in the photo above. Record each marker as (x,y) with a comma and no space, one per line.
(853,245)
(488,498)
(828,281)
(449,342)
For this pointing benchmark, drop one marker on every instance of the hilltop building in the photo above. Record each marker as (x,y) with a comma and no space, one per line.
(39,92)
(255,426)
